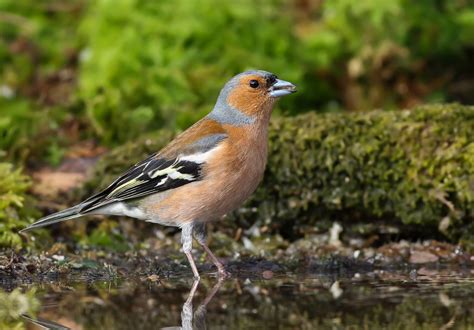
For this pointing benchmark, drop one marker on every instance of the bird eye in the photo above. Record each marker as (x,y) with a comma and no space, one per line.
(253,83)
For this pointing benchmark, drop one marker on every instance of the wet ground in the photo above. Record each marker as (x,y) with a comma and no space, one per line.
(334,294)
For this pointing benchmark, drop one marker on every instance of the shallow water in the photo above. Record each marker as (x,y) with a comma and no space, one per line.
(423,299)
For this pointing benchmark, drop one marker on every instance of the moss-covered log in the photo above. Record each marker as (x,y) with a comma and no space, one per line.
(413,170)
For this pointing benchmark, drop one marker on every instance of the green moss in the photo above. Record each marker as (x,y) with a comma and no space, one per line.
(13,305)
(415,166)
(410,169)
(143,68)
(105,237)
(37,59)
(140,53)
(14,215)
(115,69)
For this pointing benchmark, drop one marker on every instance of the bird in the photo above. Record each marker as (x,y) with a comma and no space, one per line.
(207,171)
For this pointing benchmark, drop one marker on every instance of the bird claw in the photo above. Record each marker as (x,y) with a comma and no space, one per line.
(223,274)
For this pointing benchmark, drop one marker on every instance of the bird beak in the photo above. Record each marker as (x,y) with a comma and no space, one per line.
(281,88)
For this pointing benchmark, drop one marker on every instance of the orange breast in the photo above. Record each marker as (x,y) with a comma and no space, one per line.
(231,175)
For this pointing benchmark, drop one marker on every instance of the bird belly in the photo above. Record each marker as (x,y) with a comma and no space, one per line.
(190,203)
(121,208)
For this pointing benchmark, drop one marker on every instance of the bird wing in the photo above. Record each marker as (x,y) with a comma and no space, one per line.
(151,176)
(178,164)
(156,174)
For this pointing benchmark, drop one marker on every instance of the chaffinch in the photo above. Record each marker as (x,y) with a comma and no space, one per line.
(205,172)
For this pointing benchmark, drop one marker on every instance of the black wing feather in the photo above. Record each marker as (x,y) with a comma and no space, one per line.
(143,181)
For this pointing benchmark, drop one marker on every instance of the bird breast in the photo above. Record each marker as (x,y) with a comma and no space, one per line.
(230,176)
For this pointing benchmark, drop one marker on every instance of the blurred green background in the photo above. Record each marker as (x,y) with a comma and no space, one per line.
(108,71)
(119,68)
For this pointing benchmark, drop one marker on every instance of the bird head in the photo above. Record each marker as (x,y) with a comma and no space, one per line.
(250,95)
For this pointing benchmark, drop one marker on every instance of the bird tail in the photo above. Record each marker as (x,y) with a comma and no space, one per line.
(70,213)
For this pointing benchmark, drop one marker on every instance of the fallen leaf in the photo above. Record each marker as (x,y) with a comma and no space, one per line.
(422,257)
(50,183)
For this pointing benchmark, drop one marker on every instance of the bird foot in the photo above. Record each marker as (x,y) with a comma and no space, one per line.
(223,274)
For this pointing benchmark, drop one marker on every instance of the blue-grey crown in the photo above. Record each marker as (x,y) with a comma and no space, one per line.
(223,112)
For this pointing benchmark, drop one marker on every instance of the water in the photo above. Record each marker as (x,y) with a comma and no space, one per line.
(423,299)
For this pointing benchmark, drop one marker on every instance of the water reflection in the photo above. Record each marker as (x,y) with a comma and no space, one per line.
(189,319)
(381,299)
(196,320)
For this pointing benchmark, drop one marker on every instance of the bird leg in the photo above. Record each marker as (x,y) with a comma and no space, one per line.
(200,235)
(215,261)
(187,241)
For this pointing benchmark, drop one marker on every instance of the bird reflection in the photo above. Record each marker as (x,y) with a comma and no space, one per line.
(44,324)
(196,320)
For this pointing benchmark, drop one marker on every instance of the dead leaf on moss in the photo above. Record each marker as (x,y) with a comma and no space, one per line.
(85,149)
(422,257)
(50,183)
(70,174)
